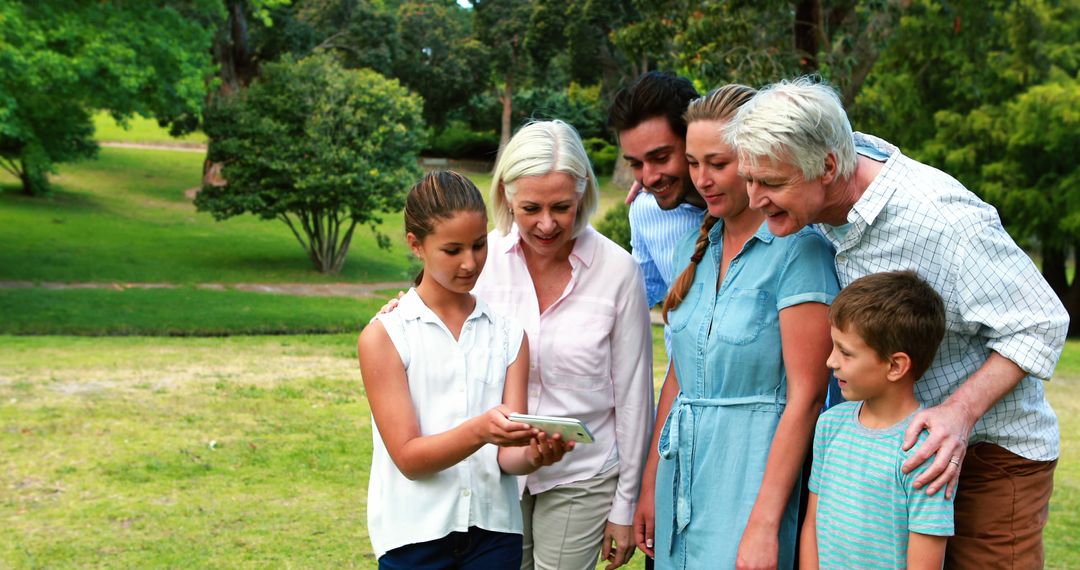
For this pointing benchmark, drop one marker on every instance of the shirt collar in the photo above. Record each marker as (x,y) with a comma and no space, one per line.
(877,194)
(762,234)
(411,306)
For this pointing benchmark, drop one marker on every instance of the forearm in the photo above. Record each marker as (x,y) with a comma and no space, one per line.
(515,461)
(995,378)
(668,392)
(424,456)
(808,552)
(631,373)
(925,552)
(631,440)
(786,456)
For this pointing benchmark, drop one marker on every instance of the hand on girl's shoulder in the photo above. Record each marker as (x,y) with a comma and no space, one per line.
(388,307)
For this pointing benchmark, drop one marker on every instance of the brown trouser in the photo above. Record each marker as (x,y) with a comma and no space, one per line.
(1001,508)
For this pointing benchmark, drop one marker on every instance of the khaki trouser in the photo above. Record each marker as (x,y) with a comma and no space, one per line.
(564,525)
(1001,507)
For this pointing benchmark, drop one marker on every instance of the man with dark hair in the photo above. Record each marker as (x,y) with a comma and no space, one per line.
(647,117)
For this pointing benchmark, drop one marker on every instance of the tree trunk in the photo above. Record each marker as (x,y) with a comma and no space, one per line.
(807,20)
(1053,270)
(623,176)
(232,52)
(33,183)
(507,100)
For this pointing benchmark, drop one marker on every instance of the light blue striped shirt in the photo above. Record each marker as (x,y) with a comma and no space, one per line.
(866,506)
(653,235)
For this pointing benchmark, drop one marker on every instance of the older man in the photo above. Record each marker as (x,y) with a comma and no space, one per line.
(985,406)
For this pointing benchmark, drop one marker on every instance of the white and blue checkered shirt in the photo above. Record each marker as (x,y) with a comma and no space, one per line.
(913,216)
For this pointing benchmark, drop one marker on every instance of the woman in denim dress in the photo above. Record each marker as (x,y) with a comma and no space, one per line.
(750,337)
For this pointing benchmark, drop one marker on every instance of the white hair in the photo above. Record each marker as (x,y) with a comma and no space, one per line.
(538,148)
(797,122)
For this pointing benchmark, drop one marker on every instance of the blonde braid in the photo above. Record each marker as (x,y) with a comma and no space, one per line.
(681,287)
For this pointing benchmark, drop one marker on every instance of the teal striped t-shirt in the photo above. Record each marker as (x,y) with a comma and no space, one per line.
(866,505)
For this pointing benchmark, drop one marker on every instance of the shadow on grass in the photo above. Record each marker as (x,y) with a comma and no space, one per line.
(58,200)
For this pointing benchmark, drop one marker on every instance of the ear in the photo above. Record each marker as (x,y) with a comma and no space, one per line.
(415,245)
(830,169)
(899,366)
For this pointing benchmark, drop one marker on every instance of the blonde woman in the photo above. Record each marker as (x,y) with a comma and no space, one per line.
(581,300)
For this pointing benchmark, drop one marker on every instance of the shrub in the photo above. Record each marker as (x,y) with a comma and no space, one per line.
(457,140)
(602,154)
(616,225)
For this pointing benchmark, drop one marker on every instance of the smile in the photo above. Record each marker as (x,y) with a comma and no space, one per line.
(547,239)
(665,184)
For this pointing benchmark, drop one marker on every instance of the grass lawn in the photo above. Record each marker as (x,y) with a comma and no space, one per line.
(125,218)
(238,452)
(139,129)
(178,312)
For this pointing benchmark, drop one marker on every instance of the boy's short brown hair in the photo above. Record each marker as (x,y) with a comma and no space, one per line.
(895,311)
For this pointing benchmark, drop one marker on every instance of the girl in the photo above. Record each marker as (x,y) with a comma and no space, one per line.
(442,373)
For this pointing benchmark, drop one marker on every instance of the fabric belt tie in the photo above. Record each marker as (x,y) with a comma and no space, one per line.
(677,442)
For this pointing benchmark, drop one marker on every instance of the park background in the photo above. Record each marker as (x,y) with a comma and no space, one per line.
(178,377)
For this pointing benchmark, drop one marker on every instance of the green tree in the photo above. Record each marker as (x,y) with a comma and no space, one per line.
(501,25)
(987,91)
(318,147)
(438,57)
(62,59)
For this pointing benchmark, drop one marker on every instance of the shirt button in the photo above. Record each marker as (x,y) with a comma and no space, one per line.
(841,258)
(465,493)
(461,387)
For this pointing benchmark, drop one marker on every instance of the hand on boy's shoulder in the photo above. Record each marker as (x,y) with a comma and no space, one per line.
(909,478)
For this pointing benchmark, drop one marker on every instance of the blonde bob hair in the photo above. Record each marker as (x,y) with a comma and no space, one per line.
(538,148)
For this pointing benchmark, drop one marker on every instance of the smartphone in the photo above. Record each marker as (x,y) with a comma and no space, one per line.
(570,429)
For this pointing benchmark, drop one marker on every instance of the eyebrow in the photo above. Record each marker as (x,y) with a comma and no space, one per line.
(653,152)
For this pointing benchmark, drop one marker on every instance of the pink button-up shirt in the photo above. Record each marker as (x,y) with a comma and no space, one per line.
(590,357)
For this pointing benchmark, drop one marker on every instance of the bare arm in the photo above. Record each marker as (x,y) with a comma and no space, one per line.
(950,424)
(925,552)
(416,455)
(541,450)
(808,554)
(645,515)
(805,341)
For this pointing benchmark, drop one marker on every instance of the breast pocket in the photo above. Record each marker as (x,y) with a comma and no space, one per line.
(742,316)
(487,366)
(679,317)
(582,349)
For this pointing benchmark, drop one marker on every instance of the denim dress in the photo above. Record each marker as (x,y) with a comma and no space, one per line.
(727,356)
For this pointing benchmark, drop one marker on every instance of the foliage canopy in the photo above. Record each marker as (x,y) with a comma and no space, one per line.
(317,146)
(60,60)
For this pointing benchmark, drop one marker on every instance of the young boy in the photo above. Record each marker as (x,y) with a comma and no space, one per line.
(863,512)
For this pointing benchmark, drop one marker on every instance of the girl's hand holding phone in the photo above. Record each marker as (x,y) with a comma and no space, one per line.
(495,428)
